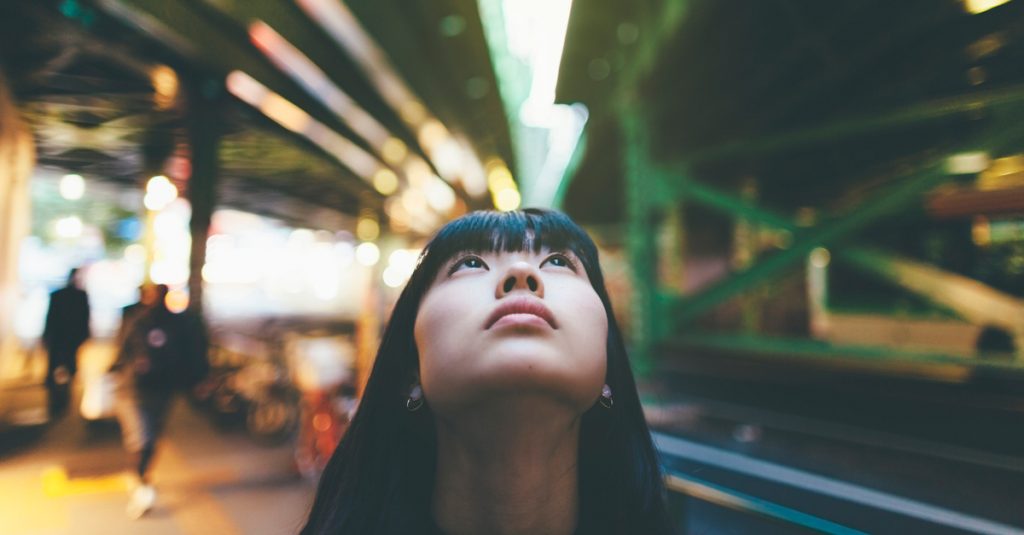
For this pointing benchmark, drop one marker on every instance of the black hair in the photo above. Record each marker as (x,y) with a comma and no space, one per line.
(381,476)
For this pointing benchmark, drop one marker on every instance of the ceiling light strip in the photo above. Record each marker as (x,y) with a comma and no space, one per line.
(290,116)
(290,60)
(454,160)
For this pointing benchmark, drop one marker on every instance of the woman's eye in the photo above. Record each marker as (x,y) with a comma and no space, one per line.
(471,262)
(560,260)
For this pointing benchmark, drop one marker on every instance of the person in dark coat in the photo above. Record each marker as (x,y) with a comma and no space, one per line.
(159,352)
(66,329)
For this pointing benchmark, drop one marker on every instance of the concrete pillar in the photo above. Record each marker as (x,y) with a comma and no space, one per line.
(17,158)
(206,100)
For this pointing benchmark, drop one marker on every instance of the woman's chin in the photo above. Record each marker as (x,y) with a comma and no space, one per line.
(524,372)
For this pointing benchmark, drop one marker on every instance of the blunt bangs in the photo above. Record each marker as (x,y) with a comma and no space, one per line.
(530,229)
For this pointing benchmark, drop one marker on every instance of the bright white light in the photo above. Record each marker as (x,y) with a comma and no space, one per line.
(980,6)
(300,237)
(69,227)
(169,272)
(507,200)
(820,257)
(418,172)
(367,254)
(72,187)
(402,258)
(440,197)
(536,34)
(393,277)
(135,253)
(159,193)
(345,253)
(967,163)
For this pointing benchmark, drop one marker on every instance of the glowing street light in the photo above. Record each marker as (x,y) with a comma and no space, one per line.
(72,187)
(159,193)
(367,254)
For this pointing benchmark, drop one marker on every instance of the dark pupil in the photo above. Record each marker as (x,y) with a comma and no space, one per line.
(472,262)
(558,261)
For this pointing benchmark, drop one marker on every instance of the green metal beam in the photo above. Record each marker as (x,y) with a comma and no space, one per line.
(845,128)
(884,203)
(681,186)
(640,239)
(1007,131)
(662,21)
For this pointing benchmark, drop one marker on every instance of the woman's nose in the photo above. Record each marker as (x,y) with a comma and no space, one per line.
(521,276)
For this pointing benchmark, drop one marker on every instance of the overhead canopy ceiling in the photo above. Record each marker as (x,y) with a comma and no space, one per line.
(813,102)
(83,72)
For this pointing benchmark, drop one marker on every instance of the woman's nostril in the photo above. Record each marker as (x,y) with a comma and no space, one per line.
(532,283)
(509,284)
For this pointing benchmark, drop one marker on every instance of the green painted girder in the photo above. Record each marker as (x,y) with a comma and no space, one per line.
(1006,132)
(679,185)
(185,29)
(640,238)
(850,127)
(662,21)
(882,204)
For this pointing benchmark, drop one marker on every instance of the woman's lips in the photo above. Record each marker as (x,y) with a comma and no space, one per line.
(521,320)
(521,311)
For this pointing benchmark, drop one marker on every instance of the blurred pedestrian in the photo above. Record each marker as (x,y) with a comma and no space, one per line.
(159,352)
(66,329)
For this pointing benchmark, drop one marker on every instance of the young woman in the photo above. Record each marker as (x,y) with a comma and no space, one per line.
(501,400)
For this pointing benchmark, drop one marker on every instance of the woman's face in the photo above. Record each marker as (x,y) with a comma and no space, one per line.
(507,324)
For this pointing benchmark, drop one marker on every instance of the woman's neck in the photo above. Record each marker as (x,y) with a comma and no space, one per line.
(508,469)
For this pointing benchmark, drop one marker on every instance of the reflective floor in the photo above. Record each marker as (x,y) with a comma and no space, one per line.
(68,477)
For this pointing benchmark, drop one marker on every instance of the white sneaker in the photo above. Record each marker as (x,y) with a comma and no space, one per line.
(141,501)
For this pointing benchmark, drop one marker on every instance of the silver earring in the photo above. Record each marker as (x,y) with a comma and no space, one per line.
(606,400)
(415,400)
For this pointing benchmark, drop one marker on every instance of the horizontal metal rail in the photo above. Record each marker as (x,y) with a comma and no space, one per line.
(675,447)
(718,495)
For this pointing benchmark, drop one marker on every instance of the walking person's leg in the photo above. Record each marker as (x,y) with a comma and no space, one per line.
(138,438)
(57,380)
(152,409)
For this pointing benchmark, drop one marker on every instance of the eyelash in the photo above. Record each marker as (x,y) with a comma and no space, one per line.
(462,261)
(568,261)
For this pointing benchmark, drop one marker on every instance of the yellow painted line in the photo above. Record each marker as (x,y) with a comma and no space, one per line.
(56,483)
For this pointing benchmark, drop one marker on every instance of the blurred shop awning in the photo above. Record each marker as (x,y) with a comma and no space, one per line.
(377,105)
